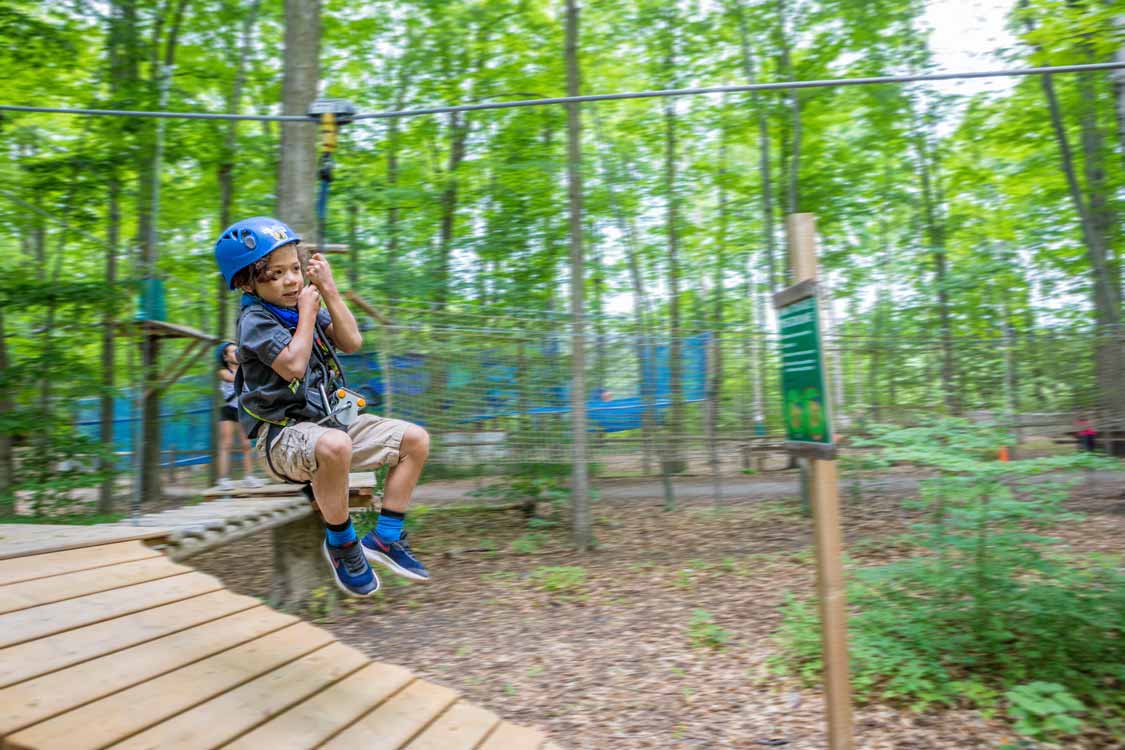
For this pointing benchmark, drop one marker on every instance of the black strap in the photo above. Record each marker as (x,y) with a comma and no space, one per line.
(321,345)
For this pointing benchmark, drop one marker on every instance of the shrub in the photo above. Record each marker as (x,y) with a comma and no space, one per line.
(987,607)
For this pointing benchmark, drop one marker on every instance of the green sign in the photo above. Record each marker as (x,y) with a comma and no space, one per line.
(802,373)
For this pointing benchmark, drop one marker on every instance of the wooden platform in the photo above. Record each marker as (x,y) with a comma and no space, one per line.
(22,539)
(114,645)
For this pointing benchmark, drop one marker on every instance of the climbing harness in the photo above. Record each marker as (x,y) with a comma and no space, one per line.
(341,405)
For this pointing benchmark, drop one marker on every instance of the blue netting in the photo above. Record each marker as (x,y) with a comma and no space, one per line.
(482,385)
(185,423)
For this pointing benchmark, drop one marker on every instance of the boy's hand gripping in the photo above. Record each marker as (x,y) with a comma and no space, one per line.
(308,302)
(320,274)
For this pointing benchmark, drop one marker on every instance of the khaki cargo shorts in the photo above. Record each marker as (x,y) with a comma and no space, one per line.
(375,441)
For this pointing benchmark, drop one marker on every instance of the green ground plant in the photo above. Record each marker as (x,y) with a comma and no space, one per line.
(529,491)
(528,544)
(565,583)
(989,611)
(565,579)
(704,633)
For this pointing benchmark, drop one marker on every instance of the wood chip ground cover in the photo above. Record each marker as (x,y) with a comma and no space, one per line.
(609,649)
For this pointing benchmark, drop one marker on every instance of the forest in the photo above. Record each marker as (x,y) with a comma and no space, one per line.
(970,243)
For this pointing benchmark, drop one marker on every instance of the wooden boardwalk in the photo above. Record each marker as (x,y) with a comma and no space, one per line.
(113,645)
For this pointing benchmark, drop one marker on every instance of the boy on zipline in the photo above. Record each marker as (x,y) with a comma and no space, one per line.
(288,366)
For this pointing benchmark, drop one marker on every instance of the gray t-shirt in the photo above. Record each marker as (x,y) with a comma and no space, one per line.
(226,387)
(266,395)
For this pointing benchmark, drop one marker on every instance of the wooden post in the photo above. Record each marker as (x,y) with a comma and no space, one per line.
(801,231)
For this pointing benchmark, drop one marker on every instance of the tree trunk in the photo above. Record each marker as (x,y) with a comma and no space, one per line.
(793,169)
(580,495)
(148,222)
(834,352)
(122,76)
(113,188)
(597,260)
(353,244)
(7,459)
(297,172)
(760,372)
(641,309)
(458,133)
(224,326)
(295,545)
(674,463)
(390,268)
(1107,356)
(715,360)
(1118,78)
(935,234)
(755,308)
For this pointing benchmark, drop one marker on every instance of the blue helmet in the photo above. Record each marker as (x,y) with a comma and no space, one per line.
(220,350)
(249,240)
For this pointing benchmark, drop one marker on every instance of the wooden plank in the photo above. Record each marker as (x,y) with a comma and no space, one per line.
(17,596)
(39,622)
(224,718)
(461,727)
(166,330)
(510,736)
(313,721)
(65,649)
(123,714)
(28,539)
(359,482)
(19,569)
(396,722)
(52,694)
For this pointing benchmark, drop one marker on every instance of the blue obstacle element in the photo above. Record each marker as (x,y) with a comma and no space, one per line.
(484,385)
(185,425)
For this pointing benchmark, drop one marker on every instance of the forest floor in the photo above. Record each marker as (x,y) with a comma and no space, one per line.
(610,650)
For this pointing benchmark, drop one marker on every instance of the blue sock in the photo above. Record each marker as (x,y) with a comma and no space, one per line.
(340,534)
(389,527)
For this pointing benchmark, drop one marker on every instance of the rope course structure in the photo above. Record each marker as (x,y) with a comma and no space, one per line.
(422,359)
(733,89)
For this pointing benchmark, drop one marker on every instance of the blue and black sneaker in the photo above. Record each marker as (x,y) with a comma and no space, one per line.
(350,569)
(395,555)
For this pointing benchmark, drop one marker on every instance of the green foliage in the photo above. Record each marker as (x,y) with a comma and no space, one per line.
(322,603)
(483,193)
(704,633)
(1044,710)
(559,579)
(528,544)
(988,605)
(528,491)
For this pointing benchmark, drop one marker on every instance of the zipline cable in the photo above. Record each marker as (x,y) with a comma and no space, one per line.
(741,88)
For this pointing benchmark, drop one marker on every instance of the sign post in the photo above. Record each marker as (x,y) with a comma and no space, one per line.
(808,428)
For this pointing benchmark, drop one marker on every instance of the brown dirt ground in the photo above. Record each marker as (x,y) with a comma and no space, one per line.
(609,661)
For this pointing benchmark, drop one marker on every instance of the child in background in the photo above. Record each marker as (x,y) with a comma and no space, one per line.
(1086,433)
(288,367)
(228,422)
